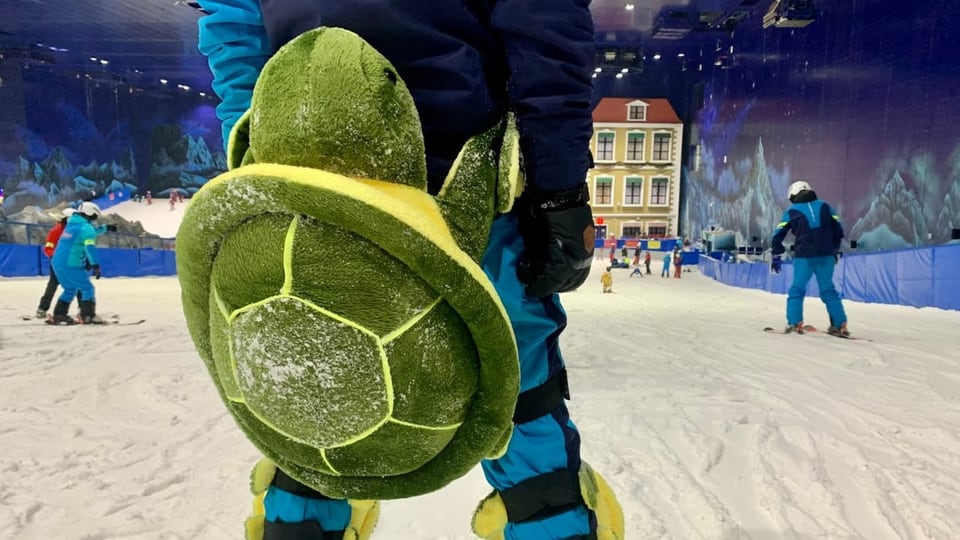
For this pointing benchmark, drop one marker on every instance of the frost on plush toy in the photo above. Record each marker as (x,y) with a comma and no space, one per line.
(339,308)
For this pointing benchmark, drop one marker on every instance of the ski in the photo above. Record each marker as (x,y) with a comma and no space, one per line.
(772,330)
(808,329)
(813,330)
(108,322)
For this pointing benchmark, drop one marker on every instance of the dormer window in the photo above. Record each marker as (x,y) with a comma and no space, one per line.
(637,111)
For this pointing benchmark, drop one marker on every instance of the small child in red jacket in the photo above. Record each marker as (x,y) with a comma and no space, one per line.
(52,238)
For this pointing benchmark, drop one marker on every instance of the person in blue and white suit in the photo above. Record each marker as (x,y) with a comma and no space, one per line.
(816,250)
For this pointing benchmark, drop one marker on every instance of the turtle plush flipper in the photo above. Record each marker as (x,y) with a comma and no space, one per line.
(483,181)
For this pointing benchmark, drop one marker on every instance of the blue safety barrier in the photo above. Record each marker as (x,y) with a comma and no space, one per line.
(17,260)
(918,277)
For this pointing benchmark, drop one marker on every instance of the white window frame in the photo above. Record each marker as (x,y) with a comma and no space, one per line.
(653,147)
(653,180)
(643,147)
(613,190)
(642,105)
(637,224)
(613,147)
(624,198)
(664,224)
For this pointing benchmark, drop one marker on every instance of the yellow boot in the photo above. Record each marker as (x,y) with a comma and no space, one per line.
(490,519)
(363,513)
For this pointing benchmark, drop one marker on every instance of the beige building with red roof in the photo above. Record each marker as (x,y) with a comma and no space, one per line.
(635,184)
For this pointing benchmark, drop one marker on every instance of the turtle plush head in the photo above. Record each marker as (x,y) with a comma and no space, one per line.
(330,101)
(340,309)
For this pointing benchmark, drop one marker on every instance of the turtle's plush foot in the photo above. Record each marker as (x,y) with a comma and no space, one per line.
(295,511)
(492,517)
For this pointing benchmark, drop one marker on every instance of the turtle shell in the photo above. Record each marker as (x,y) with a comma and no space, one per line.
(349,336)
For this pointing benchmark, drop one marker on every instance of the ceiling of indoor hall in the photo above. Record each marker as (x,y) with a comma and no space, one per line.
(142,41)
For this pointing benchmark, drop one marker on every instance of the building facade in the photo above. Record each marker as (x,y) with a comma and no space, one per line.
(635,183)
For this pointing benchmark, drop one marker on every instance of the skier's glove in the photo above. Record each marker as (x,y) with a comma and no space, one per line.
(95,270)
(558,235)
(363,513)
(490,519)
(776,264)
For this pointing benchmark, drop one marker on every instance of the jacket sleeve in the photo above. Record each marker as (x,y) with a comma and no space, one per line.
(234,40)
(52,238)
(837,227)
(89,237)
(780,233)
(550,54)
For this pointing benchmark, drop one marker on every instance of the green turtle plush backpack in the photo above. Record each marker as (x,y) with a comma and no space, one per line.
(339,308)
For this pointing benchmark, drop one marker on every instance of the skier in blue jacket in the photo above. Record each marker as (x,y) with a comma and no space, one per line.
(466,64)
(818,232)
(74,258)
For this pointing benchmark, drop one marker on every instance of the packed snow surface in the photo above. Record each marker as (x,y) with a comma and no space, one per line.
(158,217)
(706,427)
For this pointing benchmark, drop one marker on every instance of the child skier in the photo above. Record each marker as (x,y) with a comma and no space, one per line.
(52,238)
(75,254)
(606,281)
(818,232)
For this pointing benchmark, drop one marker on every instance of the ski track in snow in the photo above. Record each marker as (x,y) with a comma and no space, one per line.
(706,427)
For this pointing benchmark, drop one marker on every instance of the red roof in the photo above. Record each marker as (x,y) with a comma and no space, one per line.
(615,110)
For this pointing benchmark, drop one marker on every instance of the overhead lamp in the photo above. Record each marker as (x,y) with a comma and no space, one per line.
(790,14)
(620,75)
(203,94)
(104,62)
(163,81)
(628,7)
(597,69)
(656,56)
(93,58)
(624,70)
(183,87)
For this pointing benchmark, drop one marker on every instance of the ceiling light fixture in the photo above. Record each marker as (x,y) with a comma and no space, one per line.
(628,7)
(656,56)
(163,81)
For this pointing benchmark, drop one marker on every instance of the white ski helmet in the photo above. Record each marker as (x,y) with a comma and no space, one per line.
(796,188)
(89,210)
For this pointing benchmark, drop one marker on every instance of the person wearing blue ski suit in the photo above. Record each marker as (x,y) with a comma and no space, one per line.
(818,232)
(466,64)
(74,258)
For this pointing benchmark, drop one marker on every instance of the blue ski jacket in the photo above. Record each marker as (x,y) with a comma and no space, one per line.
(815,226)
(77,245)
(466,63)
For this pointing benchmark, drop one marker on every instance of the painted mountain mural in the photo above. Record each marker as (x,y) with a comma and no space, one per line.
(178,160)
(737,197)
(895,219)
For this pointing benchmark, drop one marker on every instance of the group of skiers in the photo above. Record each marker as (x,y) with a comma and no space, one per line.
(72,248)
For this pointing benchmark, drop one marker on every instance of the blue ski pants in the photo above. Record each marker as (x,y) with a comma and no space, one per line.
(803,269)
(74,280)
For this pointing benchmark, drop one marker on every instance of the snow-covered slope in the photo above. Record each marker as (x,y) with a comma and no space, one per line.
(706,427)
(156,218)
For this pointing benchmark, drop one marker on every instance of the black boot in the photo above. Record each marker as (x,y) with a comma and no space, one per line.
(60,313)
(88,312)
